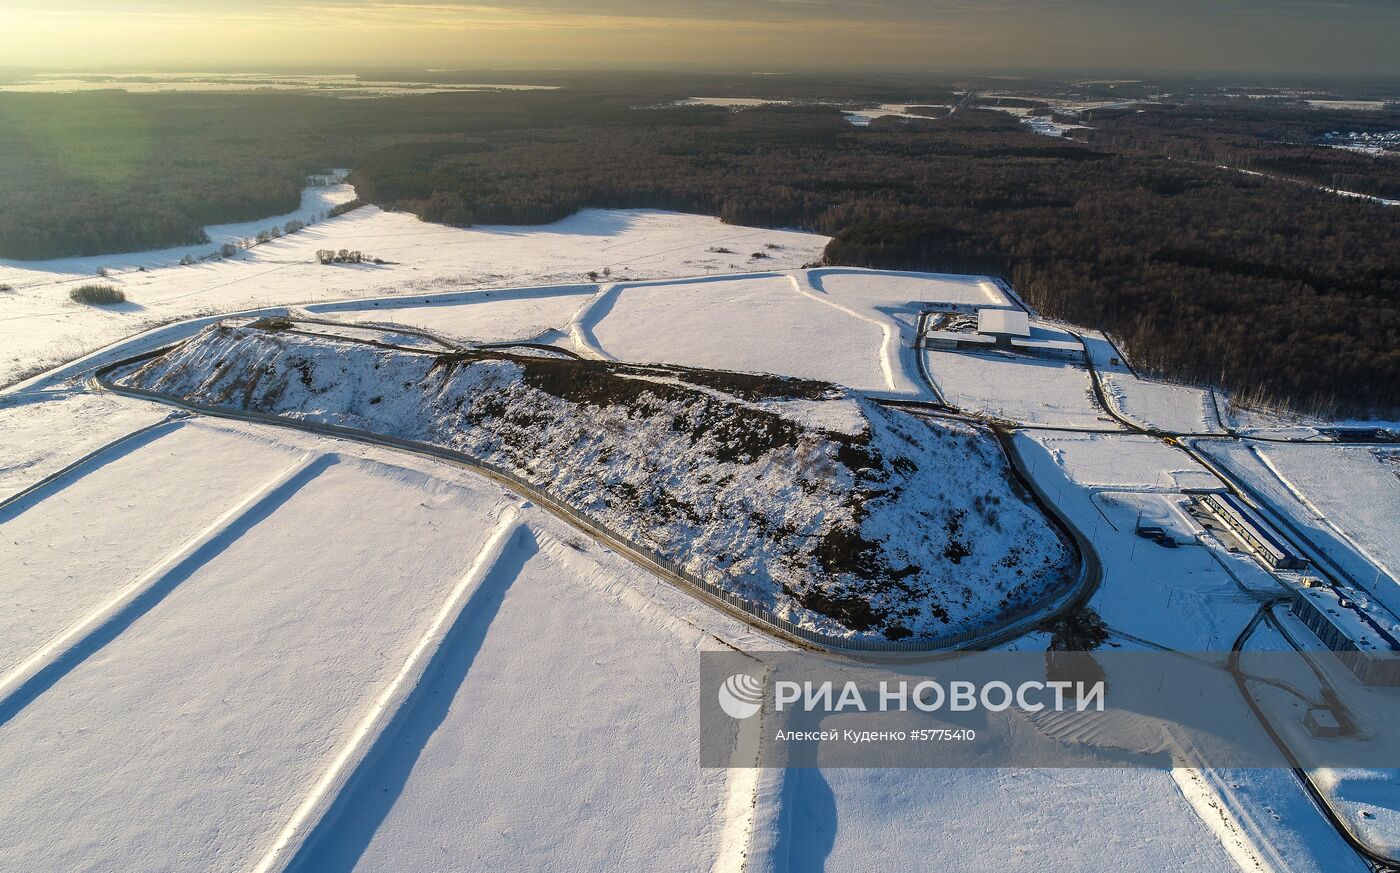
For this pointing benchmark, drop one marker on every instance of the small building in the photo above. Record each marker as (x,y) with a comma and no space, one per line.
(1322,722)
(1262,540)
(1343,625)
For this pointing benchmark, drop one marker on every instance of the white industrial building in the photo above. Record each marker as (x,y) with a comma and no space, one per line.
(1009,330)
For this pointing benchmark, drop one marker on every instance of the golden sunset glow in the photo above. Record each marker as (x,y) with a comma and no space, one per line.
(768,34)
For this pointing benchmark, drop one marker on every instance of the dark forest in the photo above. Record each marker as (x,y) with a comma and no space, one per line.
(1146,226)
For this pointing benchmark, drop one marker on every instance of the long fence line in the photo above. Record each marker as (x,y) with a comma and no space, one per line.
(707,591)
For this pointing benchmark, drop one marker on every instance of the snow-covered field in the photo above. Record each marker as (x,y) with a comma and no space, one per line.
(871,821)
(293,614)
(46,433)
(233,646)
(1018,388)
(40,326)
(509,315)
(767,324)
(1151,403)
(1162,405)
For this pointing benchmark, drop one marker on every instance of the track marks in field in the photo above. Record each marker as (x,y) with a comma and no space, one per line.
(99,626)
(390,735)
(16,503)
(891,366)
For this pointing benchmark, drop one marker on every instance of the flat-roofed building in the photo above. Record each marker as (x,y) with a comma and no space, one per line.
(1262,541)
(1007,330)
(1357,633)
(1003,323)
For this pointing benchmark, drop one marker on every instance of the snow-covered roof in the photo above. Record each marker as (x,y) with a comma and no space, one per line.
(1004,322)
(1364,622)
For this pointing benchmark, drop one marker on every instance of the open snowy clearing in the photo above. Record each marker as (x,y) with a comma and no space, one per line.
(869,821)
(1161,405)
(512,314)
(852,327)
(293,616)
(44,432)
(1149,403)
(556,768)
(767,325)
(40,326)
(1018,387)
(75,544)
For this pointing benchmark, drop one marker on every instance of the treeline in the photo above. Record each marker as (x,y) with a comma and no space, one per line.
(1273,139)
(106,172)
(1269,288)
(1274,290)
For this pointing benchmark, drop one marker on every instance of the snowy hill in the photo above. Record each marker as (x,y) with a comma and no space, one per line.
(832,511)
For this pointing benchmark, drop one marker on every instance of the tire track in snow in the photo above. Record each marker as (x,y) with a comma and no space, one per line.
(89,634)
(740,811)
(318,802)
(18,502)
(889,346)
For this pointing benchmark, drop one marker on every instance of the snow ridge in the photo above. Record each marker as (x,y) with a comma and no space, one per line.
(903,528)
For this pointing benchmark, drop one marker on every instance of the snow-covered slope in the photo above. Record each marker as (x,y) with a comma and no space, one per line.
(40,326)
(830,510)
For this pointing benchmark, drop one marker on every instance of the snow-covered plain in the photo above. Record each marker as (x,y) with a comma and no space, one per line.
(871,821)
(768,325)
(45,433)
(509,315)
(358,632)
(290,622)
(844,325)
(1162,405)
(40,326)
(1018,388)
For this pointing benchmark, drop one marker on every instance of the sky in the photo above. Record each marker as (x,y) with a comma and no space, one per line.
(1297,36)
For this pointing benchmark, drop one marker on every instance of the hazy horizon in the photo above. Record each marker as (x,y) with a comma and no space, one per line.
(1305,37)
